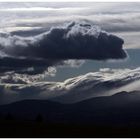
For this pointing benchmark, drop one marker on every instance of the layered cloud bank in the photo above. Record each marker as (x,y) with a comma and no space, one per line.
(72,41)
(103,83)
(30,19)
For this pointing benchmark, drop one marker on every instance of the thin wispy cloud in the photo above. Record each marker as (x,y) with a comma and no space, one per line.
(106,82)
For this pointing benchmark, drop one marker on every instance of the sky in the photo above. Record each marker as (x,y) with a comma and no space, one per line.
(60,51)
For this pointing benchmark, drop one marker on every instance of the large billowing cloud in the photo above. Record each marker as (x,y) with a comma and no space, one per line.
(72,41)
(103,83)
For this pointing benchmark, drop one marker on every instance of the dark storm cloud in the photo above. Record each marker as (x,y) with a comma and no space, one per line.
(21,65)
(72,41)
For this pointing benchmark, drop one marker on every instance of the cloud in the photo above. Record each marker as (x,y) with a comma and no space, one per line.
(109,21)
(112,17)
(105,82)
(72,63)
(15,78)
(11,79)
(71,41)
(25,65)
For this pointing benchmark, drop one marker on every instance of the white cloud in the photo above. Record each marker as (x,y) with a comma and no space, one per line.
(103,83)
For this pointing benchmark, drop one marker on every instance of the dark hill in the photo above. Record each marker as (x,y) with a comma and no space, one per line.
(122,107)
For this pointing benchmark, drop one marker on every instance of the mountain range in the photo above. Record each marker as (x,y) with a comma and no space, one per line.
(121,108)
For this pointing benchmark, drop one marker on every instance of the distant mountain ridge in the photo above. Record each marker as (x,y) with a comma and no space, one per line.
(123,107)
